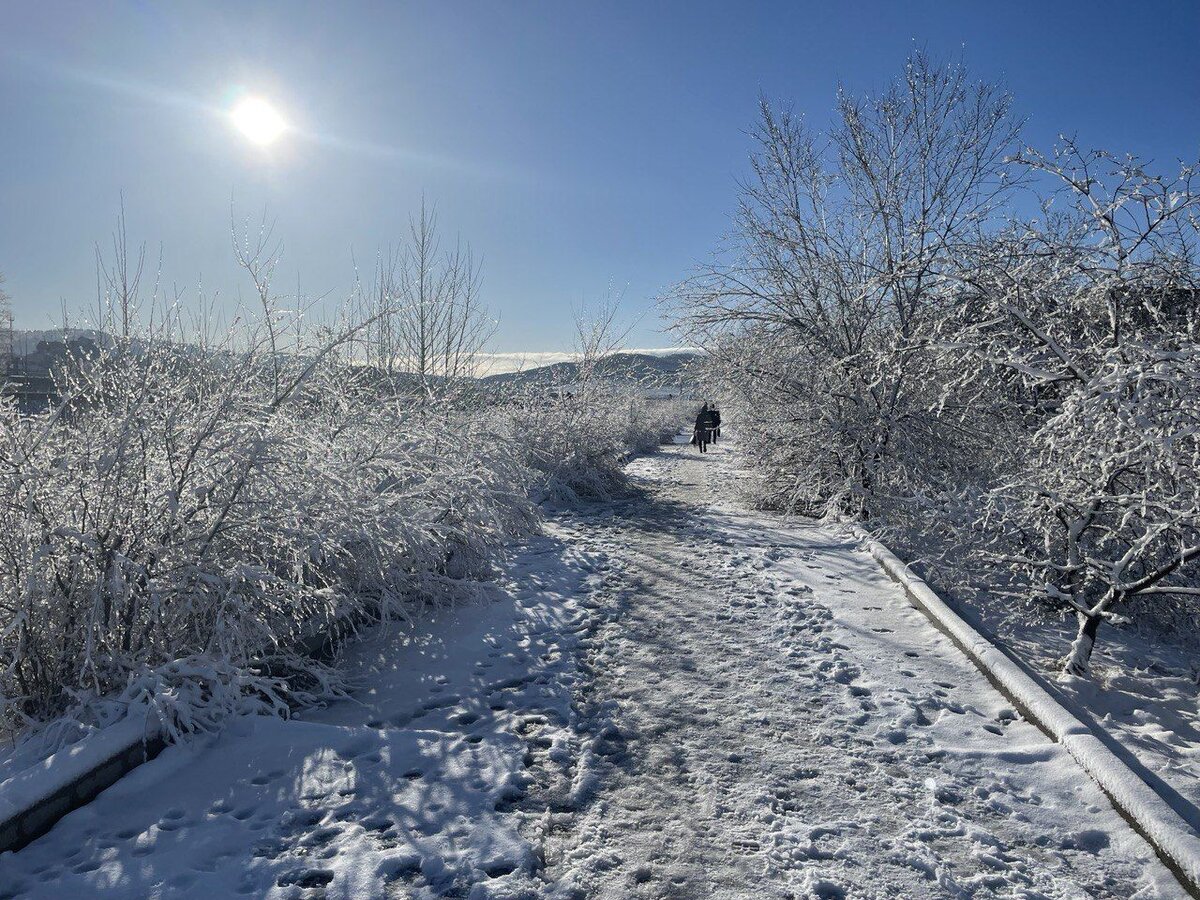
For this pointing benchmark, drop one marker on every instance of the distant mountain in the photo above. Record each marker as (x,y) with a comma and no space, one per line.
(660,369)
(657,372)
(25,341)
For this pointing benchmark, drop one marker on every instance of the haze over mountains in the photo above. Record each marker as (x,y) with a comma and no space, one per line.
(650,367)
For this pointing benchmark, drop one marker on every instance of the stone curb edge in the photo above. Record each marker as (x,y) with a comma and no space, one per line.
(32,800)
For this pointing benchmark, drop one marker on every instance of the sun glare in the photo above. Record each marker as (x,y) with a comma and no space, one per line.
(258,121)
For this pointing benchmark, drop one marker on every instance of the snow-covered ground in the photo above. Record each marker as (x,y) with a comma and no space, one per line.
(1145,694)
(1142,691)
(666,697)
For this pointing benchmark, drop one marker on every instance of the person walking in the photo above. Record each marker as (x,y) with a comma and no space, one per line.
(714,415)
(700,433)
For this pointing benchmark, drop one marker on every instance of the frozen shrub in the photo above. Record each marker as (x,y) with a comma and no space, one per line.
(576,434)
(175,507)
(578,439)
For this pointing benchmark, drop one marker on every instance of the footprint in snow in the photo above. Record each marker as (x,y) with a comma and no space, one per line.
(306,878)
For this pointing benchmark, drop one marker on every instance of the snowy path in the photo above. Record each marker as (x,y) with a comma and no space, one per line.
(666,698)
(790,726)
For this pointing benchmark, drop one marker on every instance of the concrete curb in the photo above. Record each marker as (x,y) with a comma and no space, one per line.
(35,798)
(1175,842)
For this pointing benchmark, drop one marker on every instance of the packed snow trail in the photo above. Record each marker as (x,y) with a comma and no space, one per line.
(787,725)
(667,697)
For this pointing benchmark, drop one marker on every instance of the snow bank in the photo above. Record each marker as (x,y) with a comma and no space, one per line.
(1175,842)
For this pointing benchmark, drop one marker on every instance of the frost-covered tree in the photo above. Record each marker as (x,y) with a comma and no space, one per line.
(905,351)
(1086,326)
(428,323)
(818,314)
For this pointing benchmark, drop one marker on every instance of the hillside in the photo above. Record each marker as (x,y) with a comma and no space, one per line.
(651,370)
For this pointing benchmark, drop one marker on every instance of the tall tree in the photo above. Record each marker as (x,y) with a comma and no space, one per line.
(842,263)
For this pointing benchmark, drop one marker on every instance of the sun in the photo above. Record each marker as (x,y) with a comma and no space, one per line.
(258,121)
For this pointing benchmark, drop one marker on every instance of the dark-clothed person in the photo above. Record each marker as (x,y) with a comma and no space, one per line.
(700,433)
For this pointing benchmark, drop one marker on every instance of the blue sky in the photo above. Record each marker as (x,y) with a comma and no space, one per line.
(573,144)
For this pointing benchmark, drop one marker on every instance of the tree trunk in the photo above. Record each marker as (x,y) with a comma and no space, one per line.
(1080,657)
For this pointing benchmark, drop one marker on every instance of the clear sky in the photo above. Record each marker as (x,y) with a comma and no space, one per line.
(573,144)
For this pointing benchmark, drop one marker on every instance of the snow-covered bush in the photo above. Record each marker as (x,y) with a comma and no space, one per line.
(576,434)
(196,511)
(175,506)
(577,440)
(1085,327)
